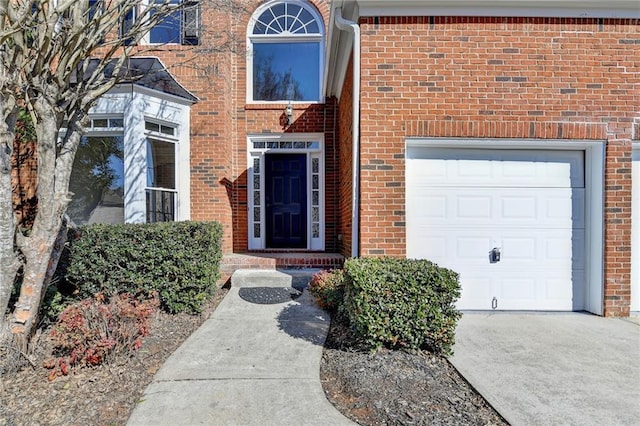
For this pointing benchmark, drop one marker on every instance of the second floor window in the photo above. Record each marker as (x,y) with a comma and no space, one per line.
(286,53)
(182,26)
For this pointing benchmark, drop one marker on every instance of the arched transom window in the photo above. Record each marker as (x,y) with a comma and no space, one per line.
(285,53)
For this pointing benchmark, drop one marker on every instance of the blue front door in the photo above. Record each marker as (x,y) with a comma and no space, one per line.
(286,199)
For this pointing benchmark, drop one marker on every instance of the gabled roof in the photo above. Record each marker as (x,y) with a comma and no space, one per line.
(148,72)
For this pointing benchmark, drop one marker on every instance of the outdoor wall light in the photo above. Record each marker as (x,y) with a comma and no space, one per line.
(288,112)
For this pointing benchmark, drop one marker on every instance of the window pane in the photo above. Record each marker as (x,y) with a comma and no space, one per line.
(116,122)
(167,31)
(97,181)
(128,21)
(167,130)
(286,71)
(153,127)
(161,164)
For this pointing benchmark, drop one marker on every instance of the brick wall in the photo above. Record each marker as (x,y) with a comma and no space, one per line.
(206,71)
(222,120)
(345,121)
(251,119)
(497,78)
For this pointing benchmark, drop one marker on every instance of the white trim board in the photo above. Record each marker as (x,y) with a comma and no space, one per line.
(509,8)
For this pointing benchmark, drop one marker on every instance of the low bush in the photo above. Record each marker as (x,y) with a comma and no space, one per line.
(328,288)
(178,260)
(402,303)
(92,331)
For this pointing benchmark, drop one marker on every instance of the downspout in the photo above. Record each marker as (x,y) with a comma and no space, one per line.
(346,25)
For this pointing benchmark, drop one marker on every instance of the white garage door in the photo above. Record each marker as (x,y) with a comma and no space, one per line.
(635,232)
(463,203)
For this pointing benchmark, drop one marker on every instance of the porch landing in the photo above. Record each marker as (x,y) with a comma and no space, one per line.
(268,260)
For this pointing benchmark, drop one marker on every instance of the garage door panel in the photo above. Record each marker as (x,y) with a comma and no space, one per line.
(497,168)
(431,247)
(433,206)
(473,207)
(518,207)
(541,247)
(512,289)
(565,248)
(529,204)
(540,208)
(477,294)
(473,248)
(520,248)
(566,206)
(516,288)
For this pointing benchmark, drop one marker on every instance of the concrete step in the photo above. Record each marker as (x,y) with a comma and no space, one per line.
(297,278)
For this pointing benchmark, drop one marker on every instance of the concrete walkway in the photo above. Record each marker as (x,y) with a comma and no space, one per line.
(553,369)
(249,364)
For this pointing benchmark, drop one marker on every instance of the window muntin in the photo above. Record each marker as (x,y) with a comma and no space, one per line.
(286,17)
(286,53)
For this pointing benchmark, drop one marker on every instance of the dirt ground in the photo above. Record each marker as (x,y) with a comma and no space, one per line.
(385,388)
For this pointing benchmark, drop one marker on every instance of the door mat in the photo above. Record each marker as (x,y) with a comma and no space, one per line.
(268,295)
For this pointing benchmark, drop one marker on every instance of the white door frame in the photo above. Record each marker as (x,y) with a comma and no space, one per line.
(594,153)
(311,144)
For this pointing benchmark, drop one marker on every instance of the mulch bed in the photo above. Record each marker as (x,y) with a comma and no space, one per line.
(398,387)
(383,388)
(103,395)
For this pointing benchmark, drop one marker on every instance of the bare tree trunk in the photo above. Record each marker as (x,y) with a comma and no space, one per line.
(8,259)
(43,246)
(41,252)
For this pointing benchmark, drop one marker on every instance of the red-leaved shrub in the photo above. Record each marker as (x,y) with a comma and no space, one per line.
(328,288)
(92,331)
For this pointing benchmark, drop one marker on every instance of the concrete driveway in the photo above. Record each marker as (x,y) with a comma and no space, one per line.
(553,369)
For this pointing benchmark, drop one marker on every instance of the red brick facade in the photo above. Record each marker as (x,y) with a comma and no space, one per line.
(222,119)
(469,77)
(455,77)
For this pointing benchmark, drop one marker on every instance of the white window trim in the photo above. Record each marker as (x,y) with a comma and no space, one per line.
(594,160)
(313,244)
(135,107)
(284,38)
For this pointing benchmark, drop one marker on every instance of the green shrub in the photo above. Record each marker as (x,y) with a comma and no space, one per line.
(178,260)
(402,303)
(328,289)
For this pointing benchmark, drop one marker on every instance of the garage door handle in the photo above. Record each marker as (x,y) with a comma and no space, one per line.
(494,255)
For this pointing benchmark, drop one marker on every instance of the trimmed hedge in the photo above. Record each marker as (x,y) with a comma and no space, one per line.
(178,260)
(402,303)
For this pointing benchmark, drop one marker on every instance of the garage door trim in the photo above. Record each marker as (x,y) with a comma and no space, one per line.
(594,215)
(635,229)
